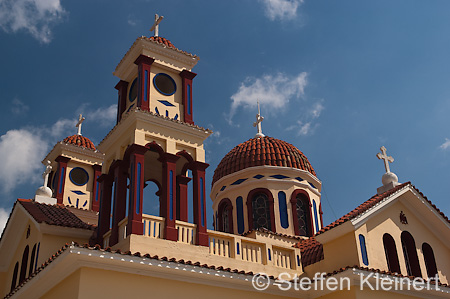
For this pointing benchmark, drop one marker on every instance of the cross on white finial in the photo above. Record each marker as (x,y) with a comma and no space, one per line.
(386,158)
(155,26)
(78,125)
(258,122)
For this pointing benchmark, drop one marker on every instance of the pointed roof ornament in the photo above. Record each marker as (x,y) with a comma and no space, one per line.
(258,122)
(78,125)
(389,179)
(155,26)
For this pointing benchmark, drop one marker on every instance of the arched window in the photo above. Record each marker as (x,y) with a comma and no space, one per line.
(261,212)
(33,255)
(14,277)
(240,214)
(301,211)
(410,253)
(430,262)
(225,216)
(23,267)
(391,253)
(283,209)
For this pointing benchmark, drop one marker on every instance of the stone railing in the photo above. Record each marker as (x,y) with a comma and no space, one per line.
(186,232)
(263,251)
(153,226)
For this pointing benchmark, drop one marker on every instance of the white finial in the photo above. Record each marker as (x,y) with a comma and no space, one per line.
(47,171)
(155,26)
(389,179)
(258,122)
(78,125)
(386,158)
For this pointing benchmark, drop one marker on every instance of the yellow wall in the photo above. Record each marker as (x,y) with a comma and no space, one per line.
(69,288)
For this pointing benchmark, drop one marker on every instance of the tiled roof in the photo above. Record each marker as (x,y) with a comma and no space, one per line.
(181,261)
(312,251)
(165,42)
(372,202)
(265,230)
(53,215)
(80,141)
(262,151)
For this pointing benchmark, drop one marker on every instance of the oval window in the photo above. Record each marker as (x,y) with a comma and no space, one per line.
(78,176)
(133,91)
(164,84)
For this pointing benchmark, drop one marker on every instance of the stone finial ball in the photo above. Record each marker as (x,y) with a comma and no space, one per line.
(389,177)
(44,191)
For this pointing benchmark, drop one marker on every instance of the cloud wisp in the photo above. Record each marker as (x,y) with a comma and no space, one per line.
(445,145)
(281,9)
(37,17)
(272,91)
(308,124)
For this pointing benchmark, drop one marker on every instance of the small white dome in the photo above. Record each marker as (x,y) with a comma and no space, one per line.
(389,177)
(44,191)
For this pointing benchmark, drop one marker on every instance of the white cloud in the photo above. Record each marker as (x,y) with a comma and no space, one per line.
(281,9)
(273,92)
(106,117)
(445,145)
(21,152)
(308,124)
(3,219)
(18,107)
(35,16)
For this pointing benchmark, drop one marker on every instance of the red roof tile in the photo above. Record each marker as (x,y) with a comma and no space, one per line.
(164,41)
(53,215)
(262,151)
(373,201)
(80,141)
(312,251)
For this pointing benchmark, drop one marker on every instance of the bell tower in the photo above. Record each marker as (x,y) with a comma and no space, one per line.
(155,140)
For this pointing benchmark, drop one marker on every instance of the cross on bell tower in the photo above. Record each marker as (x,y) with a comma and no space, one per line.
(386,158)
(155,26)
(78,125)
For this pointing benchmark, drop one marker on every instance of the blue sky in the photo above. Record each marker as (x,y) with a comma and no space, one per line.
(338,79)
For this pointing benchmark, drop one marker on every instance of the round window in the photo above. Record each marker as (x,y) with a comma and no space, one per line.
(133,91)
(164,84)
(79,176)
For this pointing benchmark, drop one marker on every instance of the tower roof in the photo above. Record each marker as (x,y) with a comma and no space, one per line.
(80,141)
(262,151)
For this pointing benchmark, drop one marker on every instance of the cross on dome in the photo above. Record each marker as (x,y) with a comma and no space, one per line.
(78,125)
(386,158)
(155,26)
(258,122)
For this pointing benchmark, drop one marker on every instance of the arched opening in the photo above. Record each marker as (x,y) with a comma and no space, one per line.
(430,262)
(14,277)
(301,212)
(410,254)
(225,216)
(23,267)
(284,221)
(261,211)
(33,255)
(390,251)
(151,196)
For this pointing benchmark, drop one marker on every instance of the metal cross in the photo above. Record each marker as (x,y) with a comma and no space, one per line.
(78,125)
(258,122)
(155,26)
(385,157)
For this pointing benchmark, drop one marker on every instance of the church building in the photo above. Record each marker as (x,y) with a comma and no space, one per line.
(86,233)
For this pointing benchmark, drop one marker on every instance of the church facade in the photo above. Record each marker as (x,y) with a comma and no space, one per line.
(87,234)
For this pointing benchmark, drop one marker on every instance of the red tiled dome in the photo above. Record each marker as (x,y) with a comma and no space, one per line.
(80,141)
(163,41)
(262,151)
